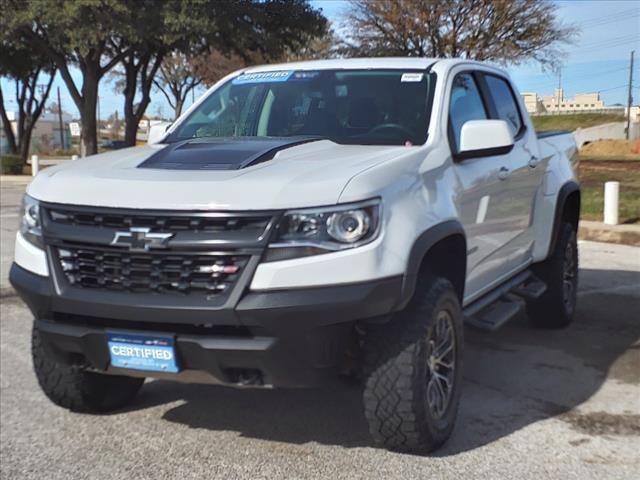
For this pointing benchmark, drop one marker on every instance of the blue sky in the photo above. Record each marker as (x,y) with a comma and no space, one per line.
(597,61)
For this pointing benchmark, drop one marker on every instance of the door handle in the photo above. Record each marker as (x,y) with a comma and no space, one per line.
(503,173)
(533,162)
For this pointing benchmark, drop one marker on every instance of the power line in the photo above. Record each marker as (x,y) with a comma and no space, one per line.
(547,84)
(631,36)
(630,97)
(606,46)
(612,17)
(613,88)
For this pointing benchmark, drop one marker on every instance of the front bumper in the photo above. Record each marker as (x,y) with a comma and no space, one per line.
(290,338)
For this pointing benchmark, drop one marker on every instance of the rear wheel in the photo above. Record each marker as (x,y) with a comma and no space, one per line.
(555,308)
(75,388)
(414,370)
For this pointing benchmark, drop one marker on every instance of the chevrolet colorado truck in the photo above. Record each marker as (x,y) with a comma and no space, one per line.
(298,222)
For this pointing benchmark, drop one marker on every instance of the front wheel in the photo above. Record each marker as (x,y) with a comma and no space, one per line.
(414,367)
(79,390)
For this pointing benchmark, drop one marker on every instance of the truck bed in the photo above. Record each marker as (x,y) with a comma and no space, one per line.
(551,133)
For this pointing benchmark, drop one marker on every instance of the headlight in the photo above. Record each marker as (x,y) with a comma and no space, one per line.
(30,225)
(313,231)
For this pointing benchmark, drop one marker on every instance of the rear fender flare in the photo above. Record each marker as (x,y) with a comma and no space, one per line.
(563,194)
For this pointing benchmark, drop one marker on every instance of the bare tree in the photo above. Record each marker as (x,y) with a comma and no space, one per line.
(505,31)
(214,66)
(176,79)
(316,47)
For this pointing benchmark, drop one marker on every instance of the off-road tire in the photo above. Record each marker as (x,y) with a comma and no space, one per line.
(74,388)
(396,367)
(556,307)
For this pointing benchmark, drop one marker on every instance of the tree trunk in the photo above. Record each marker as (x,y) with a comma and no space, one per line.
(178,108)
(130,120)
(89,135)
(25,143)
(130,130)
(6,125)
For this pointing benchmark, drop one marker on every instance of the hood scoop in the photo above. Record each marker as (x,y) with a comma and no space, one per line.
(221,153)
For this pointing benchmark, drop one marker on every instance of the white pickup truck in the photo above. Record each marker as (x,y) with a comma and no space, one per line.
(301,221)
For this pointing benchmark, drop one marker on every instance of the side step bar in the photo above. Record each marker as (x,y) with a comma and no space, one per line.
(505,302)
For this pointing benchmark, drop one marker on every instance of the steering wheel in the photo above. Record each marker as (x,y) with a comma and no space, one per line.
(393,127)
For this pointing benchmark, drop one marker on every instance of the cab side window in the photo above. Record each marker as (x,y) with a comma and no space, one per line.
(505,103)
(466,104)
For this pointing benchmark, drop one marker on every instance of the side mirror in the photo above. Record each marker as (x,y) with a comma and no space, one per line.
(156,132)
(483,138)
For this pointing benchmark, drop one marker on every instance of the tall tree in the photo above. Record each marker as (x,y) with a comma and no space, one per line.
(78,33)
(33,75)
(139,70)
(147,43)
(235,34)
(207,39)
(497,30)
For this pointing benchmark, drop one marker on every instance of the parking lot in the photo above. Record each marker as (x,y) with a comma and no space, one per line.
(536,404)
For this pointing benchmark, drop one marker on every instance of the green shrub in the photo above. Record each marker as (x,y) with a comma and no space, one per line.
(11,164)
(65,152)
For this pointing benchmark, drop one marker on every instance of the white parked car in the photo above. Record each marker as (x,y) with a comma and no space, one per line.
(300,221)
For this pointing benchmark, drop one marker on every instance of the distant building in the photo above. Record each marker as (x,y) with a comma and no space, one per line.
(532,102)
(582,102)
(46,132)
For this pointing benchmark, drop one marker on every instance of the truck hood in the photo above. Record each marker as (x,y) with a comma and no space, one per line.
(301,175)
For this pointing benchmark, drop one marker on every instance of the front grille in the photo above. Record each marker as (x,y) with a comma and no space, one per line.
(204,222)
(153,272)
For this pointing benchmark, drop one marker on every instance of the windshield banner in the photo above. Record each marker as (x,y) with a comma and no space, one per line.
(262,77)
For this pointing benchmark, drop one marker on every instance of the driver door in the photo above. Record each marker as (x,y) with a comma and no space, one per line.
(482,196)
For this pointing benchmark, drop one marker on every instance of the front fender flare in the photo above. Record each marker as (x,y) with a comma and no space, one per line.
(419,250)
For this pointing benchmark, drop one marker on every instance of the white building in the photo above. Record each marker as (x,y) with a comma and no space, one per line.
(532,102)
(46,133)
(581,102)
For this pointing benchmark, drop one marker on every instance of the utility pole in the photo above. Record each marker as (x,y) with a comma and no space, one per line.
(630,99)
(116,125)
(559,90)
(60,121)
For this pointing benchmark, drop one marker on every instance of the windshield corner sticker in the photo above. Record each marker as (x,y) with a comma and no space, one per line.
(262,77)
(411,77)
(306,75)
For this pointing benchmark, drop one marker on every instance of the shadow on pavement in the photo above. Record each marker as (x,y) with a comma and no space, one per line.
(513,378)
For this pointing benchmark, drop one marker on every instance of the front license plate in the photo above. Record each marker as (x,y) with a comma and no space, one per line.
(142,352)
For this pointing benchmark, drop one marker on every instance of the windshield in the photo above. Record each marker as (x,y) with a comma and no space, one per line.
(355,107)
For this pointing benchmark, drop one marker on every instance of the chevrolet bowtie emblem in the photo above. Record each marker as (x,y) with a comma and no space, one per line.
(141,239)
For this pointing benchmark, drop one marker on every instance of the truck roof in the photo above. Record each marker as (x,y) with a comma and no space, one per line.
(399,63)
(350,63)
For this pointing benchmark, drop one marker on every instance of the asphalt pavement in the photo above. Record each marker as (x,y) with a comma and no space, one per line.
(536,404)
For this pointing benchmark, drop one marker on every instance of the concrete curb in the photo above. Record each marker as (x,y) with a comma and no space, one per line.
(7,292)
(23,179)
(599,232)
